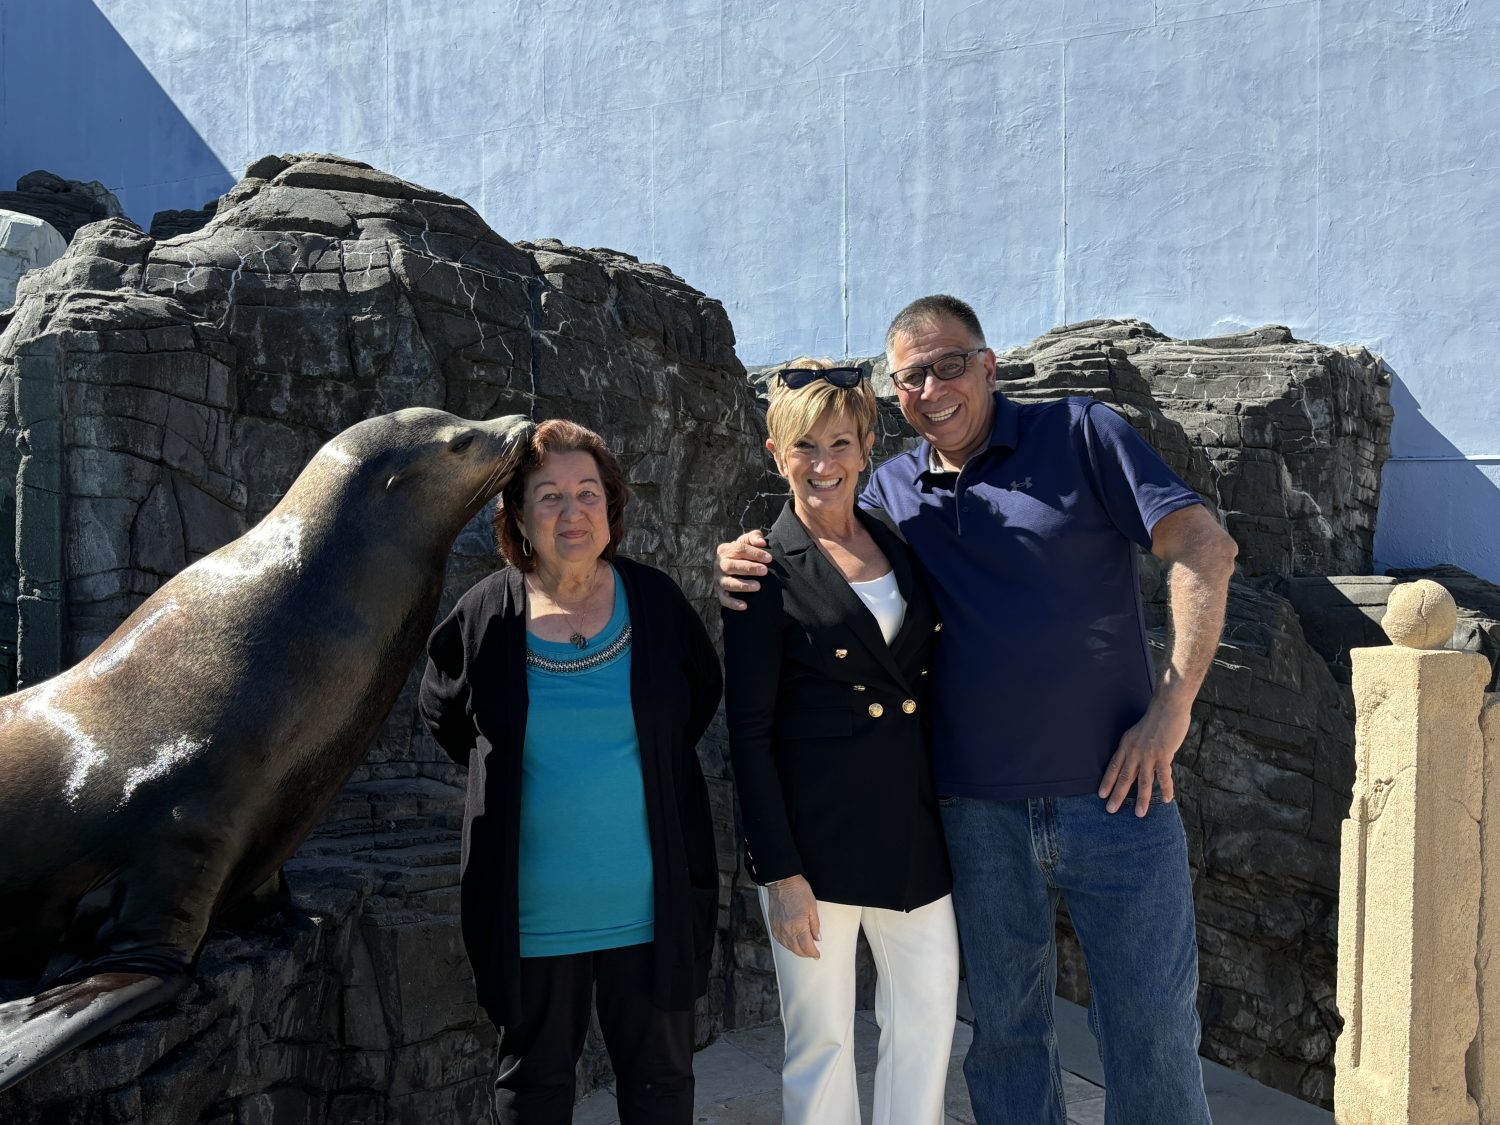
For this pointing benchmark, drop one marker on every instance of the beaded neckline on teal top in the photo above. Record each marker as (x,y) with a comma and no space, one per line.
(609,652)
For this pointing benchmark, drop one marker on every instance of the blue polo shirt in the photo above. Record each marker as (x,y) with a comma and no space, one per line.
(1031,553)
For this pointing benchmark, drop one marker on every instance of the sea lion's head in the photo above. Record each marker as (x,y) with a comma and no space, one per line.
(423,466)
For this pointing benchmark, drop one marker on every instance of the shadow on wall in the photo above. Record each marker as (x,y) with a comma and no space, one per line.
(69,84)
(1437,504)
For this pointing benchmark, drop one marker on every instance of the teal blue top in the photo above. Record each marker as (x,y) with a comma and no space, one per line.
(585,862)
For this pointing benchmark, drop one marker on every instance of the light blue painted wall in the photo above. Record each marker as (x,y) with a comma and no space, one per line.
(1204,164)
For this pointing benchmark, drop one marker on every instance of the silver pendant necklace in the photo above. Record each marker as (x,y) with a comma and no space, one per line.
(576,638)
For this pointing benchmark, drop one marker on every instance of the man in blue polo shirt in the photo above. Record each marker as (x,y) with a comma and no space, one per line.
(1049,716)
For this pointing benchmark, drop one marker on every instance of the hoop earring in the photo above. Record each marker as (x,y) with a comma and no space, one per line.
(526,546)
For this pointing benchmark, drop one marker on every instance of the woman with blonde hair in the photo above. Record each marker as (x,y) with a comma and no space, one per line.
(827,709)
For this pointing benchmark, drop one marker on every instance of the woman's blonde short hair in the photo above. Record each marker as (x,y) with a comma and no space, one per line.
(792,414)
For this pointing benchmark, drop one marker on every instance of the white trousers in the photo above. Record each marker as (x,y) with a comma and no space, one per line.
(916,999)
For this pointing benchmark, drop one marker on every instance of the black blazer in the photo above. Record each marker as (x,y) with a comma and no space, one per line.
(828,729)
(473,699)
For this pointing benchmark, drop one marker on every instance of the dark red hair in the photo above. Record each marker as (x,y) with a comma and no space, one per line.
(558,435)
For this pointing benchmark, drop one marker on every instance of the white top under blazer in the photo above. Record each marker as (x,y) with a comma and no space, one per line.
(883,596)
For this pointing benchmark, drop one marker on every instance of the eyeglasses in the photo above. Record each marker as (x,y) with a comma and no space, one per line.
(793,378)
(949,367)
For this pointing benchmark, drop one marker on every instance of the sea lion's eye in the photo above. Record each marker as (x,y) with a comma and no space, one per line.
(461,444)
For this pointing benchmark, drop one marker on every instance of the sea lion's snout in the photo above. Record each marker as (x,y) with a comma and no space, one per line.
(514,429)
(467,459)
(514,432)
(501,447)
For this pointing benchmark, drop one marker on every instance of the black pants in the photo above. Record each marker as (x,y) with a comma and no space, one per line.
(651,1050)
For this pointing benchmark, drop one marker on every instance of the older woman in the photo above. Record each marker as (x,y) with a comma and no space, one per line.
(828,731)
(575,685)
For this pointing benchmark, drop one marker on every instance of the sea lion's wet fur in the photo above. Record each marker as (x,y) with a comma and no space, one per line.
(170,773)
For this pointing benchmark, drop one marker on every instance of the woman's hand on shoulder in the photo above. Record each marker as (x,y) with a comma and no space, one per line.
(794,916)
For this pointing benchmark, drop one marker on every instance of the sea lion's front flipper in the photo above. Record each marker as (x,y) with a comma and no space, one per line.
(38,1029)
(271,897)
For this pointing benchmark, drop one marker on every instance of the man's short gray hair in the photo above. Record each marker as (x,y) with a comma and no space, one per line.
(924,310)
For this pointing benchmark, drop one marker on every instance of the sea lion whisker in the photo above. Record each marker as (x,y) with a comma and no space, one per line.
(478,492)
(495,474)
(486,489)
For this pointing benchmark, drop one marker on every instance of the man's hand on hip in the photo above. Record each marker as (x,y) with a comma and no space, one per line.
(1145,757)
(739,563)
(1201,556)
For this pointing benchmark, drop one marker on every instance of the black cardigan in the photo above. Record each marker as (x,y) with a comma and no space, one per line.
(473,699)
(828,729)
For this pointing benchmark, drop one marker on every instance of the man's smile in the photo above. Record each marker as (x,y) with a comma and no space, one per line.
(943,415)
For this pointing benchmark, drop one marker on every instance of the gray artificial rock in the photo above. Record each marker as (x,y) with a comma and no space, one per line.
(1339,613)
(64,204)
(169,224)
(1294,434)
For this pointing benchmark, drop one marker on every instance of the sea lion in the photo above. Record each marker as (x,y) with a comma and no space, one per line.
(170,774)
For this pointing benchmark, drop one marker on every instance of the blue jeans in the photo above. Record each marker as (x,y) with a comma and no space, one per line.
(1129,893)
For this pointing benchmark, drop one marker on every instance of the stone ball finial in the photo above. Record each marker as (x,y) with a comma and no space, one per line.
(1420,614)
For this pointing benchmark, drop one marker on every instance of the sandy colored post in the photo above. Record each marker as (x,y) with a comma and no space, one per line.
(1484,1056)
(1409,892)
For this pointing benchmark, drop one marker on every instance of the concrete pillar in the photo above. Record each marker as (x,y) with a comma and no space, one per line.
(1409,894)
(1484,1056)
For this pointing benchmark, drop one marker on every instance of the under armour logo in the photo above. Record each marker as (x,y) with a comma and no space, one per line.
(1015,484)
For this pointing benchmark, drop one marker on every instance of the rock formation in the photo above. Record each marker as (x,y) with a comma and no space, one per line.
(26,243)
(170,224)
(156,396)
(64,205)
(1292,434)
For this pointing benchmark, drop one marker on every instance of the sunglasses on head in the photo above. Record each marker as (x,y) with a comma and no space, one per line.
(794,377)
